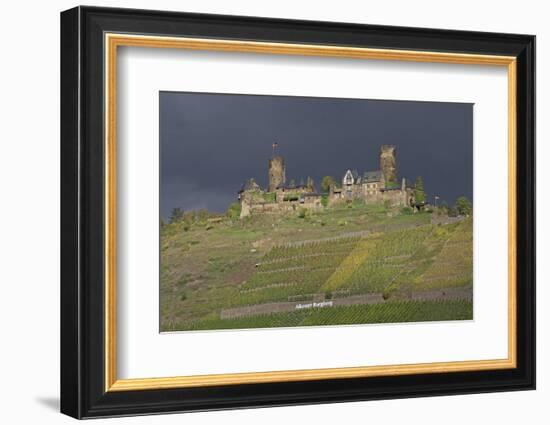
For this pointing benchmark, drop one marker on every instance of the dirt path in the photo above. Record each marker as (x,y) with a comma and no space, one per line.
(448,294)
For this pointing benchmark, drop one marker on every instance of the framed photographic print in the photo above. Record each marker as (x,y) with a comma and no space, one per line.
(261,212)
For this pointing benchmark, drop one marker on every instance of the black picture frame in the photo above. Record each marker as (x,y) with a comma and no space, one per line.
(83,392)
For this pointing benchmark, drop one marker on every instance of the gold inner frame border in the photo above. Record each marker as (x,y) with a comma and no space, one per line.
(113,40)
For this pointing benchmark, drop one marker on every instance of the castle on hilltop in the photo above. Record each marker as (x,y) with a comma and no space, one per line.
(372,187)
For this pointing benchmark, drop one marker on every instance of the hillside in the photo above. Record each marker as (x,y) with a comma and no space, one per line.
(346,265)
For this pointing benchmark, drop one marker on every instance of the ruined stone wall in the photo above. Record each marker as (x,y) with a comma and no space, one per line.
(282,193)
(395,197)
(334,198)
(245,208)
(355,191)
(312,202)
(277,175)
(282,208)
(374,198)
(251,206)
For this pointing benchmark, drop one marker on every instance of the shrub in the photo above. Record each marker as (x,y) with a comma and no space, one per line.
(463,206)
(453,212)
(442,209)
(303,213)
(176,215)
(189,216)
(270,197)
(419,194)
(324,200)
(326,182)
(406,210)
(202,214)
(441,232)
(234,210)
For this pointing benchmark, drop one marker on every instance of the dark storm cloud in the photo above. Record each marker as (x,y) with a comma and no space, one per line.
(212,143)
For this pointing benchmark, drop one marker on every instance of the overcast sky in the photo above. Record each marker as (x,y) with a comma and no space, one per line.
(212,143)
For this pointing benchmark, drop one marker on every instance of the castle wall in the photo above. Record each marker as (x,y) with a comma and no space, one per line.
(312,202)
(279,208)
(371,196)
(251,205)
(245,209)
(370,189)
(395,197)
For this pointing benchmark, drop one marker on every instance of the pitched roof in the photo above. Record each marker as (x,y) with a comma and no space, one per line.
(372,176)
(354,175)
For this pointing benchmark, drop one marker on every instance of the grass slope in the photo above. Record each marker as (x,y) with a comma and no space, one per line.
(215,263)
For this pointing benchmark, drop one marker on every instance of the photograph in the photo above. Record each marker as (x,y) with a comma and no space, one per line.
(290,211)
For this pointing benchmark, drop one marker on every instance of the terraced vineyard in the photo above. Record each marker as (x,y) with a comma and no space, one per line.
(390,312)
(296,272)
(374,268)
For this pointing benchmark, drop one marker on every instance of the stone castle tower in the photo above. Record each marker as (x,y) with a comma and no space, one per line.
(388,164)
(276,173)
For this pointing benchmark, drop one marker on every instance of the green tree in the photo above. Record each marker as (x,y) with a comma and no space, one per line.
(326,183)
(419,194)
(463,206)
(177,215)
(234,210)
